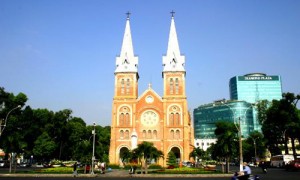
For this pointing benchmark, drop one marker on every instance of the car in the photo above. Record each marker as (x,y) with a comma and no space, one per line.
(2,163)
(24,164)
(293,165)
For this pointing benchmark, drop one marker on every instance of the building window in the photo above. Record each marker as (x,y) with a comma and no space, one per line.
(149,135)
(171,120)
(176,86)
(177,119)
(174,116)
(128,86)
(122,86)
(127,119)
(154,134)
(121,134)
(124,116)
(121,119)
(144,134)
(171,86)
(172,134)
(126,134)
(177,134)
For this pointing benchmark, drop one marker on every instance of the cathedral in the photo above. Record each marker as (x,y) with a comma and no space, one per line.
(162,120)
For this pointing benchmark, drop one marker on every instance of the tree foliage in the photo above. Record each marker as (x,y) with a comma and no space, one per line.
(227,142)
(171,159)
(146,152)
(47,135)
(282,123)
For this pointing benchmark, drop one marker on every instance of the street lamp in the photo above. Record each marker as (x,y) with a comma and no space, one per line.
(254,141)
(93,157)
(239,133)
(3,124)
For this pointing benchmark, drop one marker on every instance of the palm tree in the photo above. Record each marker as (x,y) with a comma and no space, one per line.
(226,145)
(146,151)
(197,154)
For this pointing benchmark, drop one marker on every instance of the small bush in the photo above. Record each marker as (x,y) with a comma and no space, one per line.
(155,166)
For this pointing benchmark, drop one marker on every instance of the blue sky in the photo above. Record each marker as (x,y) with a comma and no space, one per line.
(61,53)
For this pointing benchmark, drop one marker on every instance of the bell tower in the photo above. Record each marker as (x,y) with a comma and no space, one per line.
(173,67)
(125,96)
(177,118)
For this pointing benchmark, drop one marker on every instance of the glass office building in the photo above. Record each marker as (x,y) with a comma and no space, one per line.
(205,117)
(255,87)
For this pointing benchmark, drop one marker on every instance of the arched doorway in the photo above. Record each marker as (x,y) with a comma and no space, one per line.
(176,151)
(124,155)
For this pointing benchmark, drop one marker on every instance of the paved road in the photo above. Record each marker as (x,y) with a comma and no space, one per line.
(273,174)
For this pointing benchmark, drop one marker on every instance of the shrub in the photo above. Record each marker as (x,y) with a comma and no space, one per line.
(155,166)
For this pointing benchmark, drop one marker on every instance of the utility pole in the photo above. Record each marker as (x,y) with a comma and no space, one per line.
(240,145)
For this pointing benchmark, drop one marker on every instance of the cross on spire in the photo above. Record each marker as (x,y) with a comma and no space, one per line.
(172,13)
(128,14)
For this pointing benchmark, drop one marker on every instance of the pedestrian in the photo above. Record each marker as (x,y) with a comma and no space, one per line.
(102,168)
(75,174)
(263,167)
(245,174)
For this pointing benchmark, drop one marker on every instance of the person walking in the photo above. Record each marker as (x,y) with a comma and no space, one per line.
(263,167)
(75,174)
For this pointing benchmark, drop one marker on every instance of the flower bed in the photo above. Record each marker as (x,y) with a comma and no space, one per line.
(184,170)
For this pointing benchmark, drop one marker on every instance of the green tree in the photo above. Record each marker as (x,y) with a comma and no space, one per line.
(75,132)
(282,122)
(171,159)
(226,144)
(33,131)
(147,152)
(253,146)
(125,155)
(12,137)
(44,146)
(197,154)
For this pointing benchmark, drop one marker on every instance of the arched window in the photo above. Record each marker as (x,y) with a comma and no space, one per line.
(174,115)
(172,134)
(149,136)
(128,86)
(124,116)
(171,120)
(177,134)
(126,134)
(121,134)
(177,119)
(144,134)
(122,86)
(176,86)
(171,86)
(121,119)
(127,119)
(154,134)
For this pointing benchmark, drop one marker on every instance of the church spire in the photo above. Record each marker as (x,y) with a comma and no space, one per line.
(127,62)
(173,61)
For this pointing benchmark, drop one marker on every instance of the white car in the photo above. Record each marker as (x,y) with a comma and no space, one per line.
(2,163)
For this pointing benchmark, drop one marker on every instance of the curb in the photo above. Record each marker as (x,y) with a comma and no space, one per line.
(116,175)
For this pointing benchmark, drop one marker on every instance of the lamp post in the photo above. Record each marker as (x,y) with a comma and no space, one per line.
(239,133)
(3,124)
(93,156)
(254,142)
